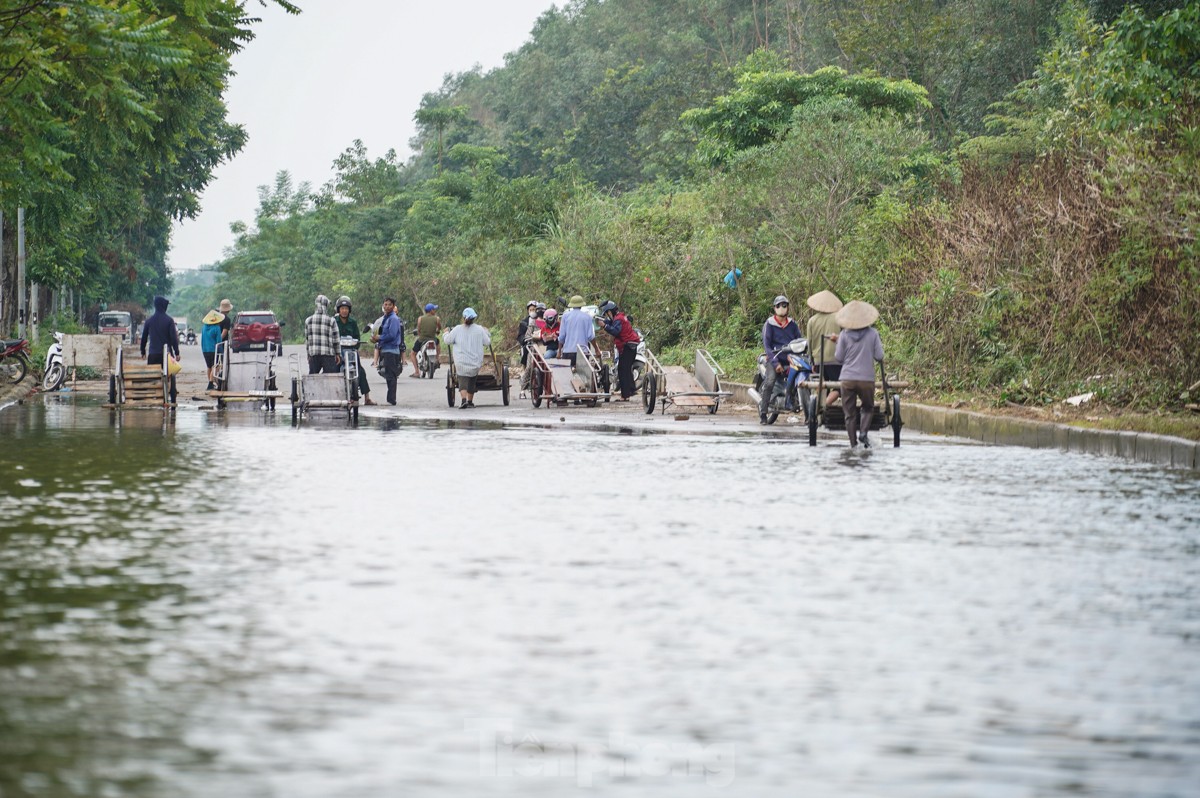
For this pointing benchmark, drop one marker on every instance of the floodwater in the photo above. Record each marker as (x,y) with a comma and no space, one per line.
(232,606)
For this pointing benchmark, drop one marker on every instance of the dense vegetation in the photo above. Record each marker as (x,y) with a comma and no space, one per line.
(111,123)
(1015,185)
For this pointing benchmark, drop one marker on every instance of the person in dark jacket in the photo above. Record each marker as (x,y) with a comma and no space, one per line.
(778,331)
(858,348)
(525,329)
(625,341)
(159,332)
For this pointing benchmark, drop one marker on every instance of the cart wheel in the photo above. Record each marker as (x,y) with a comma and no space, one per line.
(712,410)
(271,404)
(771,417)
(295,413)
(450,389)
(112,389)
(805,398)
(504,385)
(896,422)
(810,410)
(649,393)
(535,388)
(354,414)
(295,392)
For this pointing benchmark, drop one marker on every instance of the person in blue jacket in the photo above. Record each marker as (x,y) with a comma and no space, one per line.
(159,332)
(778,331)
(210,336)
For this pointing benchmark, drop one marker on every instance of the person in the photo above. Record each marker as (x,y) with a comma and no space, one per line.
(526,329)
(158,333)
(822,334)
(578,330)
(321,339)
(469,340)
(778,331)
(226,307)
(625,340)
(348,328)
(429,327)
(550,329)
(858,347)
(210,336)
(390,338)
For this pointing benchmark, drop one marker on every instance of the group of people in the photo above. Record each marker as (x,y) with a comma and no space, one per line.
(845,347)
(216,326)
(563,337)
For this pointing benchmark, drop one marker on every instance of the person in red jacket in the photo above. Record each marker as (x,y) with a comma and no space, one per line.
(625,340)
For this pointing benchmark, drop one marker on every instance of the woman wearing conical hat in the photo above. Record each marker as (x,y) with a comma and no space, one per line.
(858,347)
(822,334)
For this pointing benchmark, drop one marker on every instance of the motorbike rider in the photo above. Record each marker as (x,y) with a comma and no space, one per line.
(526,328)
(625,340)
(778,331)
(429,327)
(348,328)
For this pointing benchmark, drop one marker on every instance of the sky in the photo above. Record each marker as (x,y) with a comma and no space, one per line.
(309,85)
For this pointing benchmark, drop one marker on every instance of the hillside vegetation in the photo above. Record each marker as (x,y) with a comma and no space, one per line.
(1014,185)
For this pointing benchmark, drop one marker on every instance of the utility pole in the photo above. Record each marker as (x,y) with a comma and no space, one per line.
(3,275)
(20,272)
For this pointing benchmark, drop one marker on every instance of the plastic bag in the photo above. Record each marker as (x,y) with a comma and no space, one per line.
(173,365)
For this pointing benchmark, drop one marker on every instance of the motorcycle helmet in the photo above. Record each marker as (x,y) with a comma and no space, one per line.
(780,300)
(342,300)
(607,307)
(551,314)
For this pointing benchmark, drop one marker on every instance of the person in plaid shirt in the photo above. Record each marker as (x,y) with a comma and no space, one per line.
(321,339)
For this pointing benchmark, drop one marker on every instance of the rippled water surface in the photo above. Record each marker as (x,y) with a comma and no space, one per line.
(235,607)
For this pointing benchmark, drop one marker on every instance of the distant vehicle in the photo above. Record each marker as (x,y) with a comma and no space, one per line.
(254,329)
(181,326)
(117,322)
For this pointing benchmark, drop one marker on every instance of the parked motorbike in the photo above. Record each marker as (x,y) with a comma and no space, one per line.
(427,359)
(787,394)
(14,360)
(54,372)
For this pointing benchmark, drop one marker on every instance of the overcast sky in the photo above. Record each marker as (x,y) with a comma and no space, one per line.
(309,85)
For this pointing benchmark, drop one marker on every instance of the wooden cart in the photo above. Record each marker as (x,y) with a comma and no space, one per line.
(324,393)
(674,385)
(493,376)
(139,385)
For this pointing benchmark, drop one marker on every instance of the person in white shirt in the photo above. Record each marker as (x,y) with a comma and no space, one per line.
(468,341)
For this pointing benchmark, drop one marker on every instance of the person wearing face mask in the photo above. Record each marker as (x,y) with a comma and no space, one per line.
(526,329)
(550,330)
(778,331)
(348,328)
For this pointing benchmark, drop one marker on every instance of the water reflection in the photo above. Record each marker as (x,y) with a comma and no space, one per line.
(241,607)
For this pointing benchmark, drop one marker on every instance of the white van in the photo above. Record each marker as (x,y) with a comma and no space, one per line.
(117,322)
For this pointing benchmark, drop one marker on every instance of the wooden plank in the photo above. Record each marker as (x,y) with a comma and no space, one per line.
(693,401)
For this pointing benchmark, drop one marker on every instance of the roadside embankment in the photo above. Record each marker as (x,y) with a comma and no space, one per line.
(1144,447)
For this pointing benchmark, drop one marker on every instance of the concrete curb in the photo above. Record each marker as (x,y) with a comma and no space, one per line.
(1144,447)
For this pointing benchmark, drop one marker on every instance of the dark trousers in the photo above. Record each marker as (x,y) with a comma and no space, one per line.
(390,362)
(853,392)
(768,388)
(322,363)
(625,363)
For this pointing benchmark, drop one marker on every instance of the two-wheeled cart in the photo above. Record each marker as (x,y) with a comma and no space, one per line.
(134,385)
(557,382)
(493,376)
(246,379)
(833,417)
(684,390)
(325,393)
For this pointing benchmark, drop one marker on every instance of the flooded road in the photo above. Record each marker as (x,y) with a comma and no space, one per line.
(226,605)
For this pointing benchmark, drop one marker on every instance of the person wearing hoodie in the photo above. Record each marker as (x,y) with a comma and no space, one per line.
(778,331)
(321,339)
(159,332)
(858,347)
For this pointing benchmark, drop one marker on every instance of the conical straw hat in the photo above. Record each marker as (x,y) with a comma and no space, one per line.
(213,317)
(825,302)
(857,315)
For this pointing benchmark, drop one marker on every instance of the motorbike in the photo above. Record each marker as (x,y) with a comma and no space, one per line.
(55,371)
(787,394)
(14,360)
(427,359)
(190,338)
